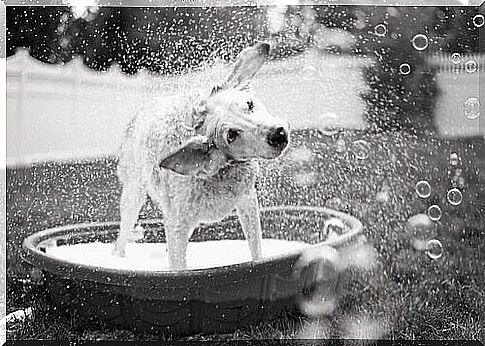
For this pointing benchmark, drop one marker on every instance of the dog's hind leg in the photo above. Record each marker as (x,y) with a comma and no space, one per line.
(248,212)
(133,197)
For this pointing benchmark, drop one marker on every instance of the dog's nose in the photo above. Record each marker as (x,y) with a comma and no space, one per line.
(278,137)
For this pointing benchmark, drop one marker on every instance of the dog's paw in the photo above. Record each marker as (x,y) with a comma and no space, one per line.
(118,250)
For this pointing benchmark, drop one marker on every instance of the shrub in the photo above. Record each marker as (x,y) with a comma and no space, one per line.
(397,100)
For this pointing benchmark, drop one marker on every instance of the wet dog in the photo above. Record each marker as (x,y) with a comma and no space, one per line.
(194,156)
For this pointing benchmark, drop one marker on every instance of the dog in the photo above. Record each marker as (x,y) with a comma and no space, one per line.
(194,155)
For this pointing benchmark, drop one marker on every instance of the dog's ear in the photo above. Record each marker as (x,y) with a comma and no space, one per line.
(191,158)
(247,64)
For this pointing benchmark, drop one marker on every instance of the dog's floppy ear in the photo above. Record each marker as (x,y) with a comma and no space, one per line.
(248,62)
(191,158)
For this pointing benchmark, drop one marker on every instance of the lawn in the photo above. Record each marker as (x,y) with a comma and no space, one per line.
(405,294)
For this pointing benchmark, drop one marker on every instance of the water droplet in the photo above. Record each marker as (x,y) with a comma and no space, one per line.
(478,20)
(383,195)
(461,182)
(333,228)
(361,149)
(329,116)
(330,131)
(340,146)
(405,69)
(300,155)
(423,189)
(420,42)
(456,58)
(434,212)
(472,108)
(454,159)
(380,30)
(441,15)
(305,178)
(454,196)
(309,73)
(434,249)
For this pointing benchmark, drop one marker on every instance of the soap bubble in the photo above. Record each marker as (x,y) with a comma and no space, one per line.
(454,196)
(383,195)
(420,42)
(423,189)
(420,229)
(317,271)
(361,149)
(315,329)
(309,73)
(472,108)
(405,69)
(361,256)
(434,249)
(36,276)
(454,159)
(434,212)
(478,20)
(456,58)
(364,328)
(380,30)
(319,306)
(471,66)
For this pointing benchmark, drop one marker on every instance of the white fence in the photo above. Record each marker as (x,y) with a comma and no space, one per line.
(64,112)
(71,112)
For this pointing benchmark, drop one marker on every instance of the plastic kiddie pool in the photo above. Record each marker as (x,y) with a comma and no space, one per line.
(214,299)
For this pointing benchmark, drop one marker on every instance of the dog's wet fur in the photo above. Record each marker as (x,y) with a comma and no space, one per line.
(194,156)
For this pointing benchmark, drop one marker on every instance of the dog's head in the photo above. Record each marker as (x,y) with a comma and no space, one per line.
(231,123)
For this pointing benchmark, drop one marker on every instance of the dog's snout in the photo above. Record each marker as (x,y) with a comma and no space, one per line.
(278,137)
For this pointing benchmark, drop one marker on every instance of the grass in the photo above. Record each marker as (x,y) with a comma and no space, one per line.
(405,295)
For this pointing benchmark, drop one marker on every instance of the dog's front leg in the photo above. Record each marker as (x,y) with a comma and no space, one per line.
(177,240)
(132,198)
(248,212)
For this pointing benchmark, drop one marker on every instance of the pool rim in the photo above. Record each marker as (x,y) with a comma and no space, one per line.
(32,254)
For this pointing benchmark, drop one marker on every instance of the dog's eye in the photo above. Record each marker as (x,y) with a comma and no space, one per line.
(250,105)
(232,135)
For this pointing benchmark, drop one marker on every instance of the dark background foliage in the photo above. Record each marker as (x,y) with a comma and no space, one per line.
(171,40)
